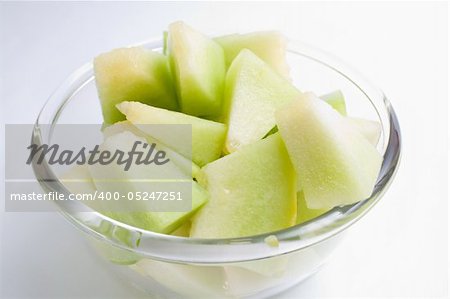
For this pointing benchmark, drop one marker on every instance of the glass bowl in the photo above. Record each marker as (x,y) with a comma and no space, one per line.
(168,266)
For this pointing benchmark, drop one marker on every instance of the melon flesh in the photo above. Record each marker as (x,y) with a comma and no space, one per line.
(252,192)
(184,164)
(183,231)
(208,137)
(113,177)
(371,131)
(133,74)
(369,128)
(198,65)
(336,100)
(304,213)
(335,164)
(254,91)
(270,46)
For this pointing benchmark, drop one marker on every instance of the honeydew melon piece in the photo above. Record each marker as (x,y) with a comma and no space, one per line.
(198,64)
(369,128)
(303,212)
(133,74)
(184,164)
(244,199)
(335,164)
(183,230)
(186,281)
(161,222)
(121,127)
(208,137)
(336,100)
(252,95)
(113,177)
(270,46)
(124,141)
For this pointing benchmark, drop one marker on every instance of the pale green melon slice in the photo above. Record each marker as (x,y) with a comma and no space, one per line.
(183,231)
(270,46)
(198,65)
(208,137)
(336,100)
(113,177)
(183,163)
(252,192)
(304,213)
(369,128)
(133,74)
(371,131)
(334,162)
(252,95)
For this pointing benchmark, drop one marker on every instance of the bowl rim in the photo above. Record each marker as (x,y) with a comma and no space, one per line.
(227,250)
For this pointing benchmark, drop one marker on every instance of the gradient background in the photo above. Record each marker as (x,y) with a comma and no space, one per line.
(399,249)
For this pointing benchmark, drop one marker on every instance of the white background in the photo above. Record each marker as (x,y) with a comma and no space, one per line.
(399,249)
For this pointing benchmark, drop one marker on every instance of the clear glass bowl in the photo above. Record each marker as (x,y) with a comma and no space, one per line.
(175,267)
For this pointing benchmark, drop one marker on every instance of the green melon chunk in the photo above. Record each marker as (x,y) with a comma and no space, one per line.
(198,65)
(334,162)
(208,137)
(304,213)
(183,163)
(252,192)
(336,100)
(368,128)
(252,95)
(183,230)
(270,46)
(113,177)
(133,74)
